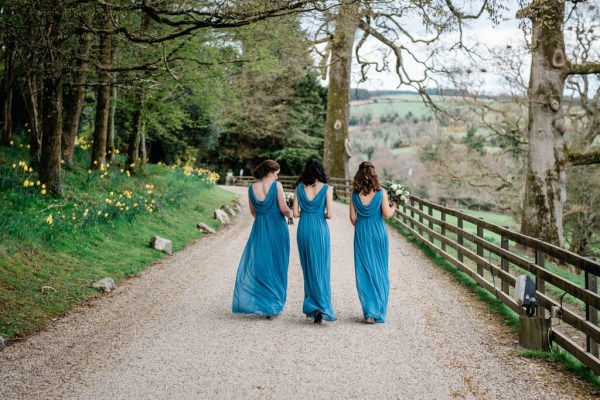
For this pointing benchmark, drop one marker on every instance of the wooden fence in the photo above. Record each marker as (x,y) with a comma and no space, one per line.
(494,256)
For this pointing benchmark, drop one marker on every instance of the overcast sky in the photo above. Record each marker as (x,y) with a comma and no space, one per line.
(482,30)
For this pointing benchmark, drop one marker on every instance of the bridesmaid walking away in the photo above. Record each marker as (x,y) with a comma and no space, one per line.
(368,203)
(313,194)
(261,281)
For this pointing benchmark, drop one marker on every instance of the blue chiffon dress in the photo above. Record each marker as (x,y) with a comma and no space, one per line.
(371,257)
(261,281)
(315,254)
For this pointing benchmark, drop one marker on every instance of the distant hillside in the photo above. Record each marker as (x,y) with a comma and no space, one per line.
(364,94)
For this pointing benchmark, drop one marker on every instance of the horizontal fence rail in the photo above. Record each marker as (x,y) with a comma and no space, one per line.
(494,256)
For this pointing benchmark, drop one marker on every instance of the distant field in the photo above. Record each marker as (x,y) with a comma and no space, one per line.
(401,104)
(403,150)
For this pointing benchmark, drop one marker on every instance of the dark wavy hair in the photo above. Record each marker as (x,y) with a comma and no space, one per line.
(265,168)
(313,171)
(366,179)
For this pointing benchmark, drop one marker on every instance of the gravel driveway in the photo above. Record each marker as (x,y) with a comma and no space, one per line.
(170,334)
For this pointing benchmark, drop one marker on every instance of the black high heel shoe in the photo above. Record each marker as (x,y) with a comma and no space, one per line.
(318,317)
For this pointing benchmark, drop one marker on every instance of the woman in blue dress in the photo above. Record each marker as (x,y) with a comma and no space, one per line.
(368,204)
(313,204)
(261,281)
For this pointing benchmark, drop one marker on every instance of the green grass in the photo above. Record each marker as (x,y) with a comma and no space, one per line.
(403,150)
(393,104)
(507,315)
(47,268)
(569,362)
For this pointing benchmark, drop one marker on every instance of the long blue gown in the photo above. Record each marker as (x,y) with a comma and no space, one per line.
(261,281)
(371,257)
(315,254)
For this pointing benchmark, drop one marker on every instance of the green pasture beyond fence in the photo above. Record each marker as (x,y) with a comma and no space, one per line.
(494,256)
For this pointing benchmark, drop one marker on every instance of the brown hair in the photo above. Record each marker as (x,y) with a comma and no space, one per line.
(366,179)
(265,168)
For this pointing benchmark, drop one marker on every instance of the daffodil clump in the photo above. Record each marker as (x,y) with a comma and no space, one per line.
(206,175)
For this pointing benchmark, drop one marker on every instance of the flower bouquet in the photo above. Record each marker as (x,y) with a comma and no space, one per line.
(396,191)
(289,199)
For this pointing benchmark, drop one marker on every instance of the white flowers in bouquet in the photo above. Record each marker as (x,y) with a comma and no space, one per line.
(289,199)
(396,191)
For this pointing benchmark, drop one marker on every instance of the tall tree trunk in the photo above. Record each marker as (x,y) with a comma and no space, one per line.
(545,187)
(143,151)
(137,126)
(74,99)
(110,140)
(7,98)
(33,103)
(52,102)
(338,94)
(102,102)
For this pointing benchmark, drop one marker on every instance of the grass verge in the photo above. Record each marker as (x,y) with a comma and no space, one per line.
(53,248)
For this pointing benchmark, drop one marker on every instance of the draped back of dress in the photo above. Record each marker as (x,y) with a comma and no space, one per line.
(371,257)
(261,280)
(315,254)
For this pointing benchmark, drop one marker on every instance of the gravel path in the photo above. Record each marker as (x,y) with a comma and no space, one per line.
(170,333)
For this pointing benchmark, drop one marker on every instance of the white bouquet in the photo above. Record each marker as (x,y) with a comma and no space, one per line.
(396,191)
(289,199)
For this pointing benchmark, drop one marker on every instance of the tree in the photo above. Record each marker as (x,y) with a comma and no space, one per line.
(385,22)
(545,190)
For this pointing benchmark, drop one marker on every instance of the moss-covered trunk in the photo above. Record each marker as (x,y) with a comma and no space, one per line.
(52,102)
(74,99)
(545,188)
(338,94)
(102,102)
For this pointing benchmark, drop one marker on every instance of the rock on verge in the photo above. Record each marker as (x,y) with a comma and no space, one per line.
(106,284)
(222,216)
(237,207)
(205,228)
(1,343)
(228,210)
(161,244)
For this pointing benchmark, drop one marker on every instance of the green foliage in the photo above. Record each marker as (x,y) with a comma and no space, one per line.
(473,141)
(69,254)
(280,107)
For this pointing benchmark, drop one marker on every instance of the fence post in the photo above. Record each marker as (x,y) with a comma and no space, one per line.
(591,314)
(421,218)
(460,239)
(479,248)
(430,212)
(504,243)
(443,230)
(540,260)
(412,213)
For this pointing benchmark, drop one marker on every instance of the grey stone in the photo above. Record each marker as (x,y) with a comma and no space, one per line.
(1,343)
(237,207)
(230,211)
(161,244)
(106,284)
(205,228)
(222,216)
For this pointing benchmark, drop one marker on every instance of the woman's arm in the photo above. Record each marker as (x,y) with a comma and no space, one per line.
(296,205)
(252,210)
(283,207)
(352,212)
(387,210)
(329,203)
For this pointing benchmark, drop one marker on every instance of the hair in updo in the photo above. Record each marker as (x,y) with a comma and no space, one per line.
(265,168)
(313,171)
(366,179)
